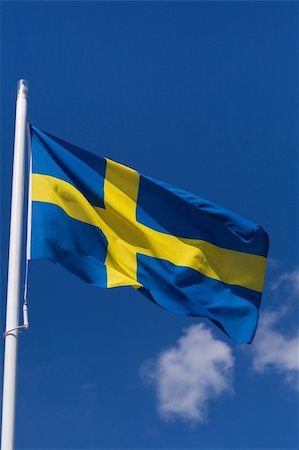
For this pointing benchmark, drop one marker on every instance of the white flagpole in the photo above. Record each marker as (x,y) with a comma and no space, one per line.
(14,272)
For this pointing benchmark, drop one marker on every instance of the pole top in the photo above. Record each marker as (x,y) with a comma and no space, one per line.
(22,90)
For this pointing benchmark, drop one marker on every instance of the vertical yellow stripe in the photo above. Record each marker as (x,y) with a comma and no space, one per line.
(120,197)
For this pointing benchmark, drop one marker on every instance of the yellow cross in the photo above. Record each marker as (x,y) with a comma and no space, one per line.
(127,237)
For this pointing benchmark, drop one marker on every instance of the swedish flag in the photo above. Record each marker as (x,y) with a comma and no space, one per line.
(112,226)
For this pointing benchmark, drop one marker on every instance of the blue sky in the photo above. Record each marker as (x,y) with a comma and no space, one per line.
(203,95)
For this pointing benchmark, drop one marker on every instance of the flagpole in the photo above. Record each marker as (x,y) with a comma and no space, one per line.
(14,272)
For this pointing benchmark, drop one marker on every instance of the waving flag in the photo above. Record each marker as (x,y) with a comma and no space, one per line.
(112,226)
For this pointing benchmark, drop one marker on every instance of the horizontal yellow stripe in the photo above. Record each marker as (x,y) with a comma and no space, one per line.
(127,237)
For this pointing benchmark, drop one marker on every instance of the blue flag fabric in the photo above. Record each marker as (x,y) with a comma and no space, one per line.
(112,226)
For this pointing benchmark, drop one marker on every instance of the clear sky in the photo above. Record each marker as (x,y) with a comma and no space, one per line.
(203,95)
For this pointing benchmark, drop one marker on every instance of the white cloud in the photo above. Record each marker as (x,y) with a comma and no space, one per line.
(186,376)
(275,351)
(273,264)
(288,281)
